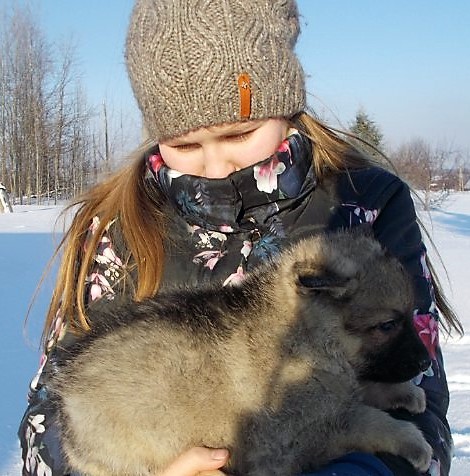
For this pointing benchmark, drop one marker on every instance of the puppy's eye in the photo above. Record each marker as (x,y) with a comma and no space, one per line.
(388,325)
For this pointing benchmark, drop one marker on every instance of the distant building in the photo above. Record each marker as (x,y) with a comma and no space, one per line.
(466,187)
(5,205)
(439,183)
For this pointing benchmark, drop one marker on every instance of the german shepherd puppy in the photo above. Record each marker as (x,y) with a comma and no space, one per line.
(275,369)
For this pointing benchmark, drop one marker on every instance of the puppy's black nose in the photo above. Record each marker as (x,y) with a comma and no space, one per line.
(424,364)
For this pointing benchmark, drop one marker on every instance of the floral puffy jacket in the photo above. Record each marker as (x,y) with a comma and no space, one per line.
(220,229)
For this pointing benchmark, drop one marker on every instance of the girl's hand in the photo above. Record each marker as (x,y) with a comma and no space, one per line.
(198,461)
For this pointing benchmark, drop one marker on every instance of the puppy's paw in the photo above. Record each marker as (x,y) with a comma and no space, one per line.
(416,449)
(414,400)
(389,396)
(419,455)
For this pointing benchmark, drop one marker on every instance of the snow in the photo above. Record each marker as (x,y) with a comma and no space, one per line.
(449,225)
(29,235)
(26,245)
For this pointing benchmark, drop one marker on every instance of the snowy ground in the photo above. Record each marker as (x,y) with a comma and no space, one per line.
(449,225)
(26,243)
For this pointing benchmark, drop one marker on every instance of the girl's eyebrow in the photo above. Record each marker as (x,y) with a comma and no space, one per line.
(236,128)
(237,132)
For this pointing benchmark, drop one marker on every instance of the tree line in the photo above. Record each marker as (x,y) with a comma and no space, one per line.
(424,166)
(53,143)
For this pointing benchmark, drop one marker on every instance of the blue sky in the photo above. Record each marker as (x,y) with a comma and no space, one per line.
(406,62)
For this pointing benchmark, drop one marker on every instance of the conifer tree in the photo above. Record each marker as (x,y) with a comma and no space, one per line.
(368,133)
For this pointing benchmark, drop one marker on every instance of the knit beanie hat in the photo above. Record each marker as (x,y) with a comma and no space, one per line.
(198,63)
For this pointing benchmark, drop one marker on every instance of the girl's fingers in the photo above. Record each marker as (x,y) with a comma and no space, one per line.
(198,460)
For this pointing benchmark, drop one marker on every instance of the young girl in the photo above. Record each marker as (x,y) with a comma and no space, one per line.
(234,171)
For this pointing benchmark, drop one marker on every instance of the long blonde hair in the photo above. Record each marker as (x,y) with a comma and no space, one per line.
(125,196)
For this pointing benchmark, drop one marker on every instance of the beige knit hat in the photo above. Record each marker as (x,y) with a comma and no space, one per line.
(197,63)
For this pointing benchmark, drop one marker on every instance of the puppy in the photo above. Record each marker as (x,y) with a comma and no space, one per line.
(275,370)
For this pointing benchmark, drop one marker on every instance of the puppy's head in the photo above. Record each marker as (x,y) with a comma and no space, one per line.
(371,293)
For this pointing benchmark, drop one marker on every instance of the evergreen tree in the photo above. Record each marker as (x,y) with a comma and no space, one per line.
(368,131)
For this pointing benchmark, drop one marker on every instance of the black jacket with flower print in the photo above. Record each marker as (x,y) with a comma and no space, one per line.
(220,229)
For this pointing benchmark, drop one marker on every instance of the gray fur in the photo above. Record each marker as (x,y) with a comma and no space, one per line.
(275,370)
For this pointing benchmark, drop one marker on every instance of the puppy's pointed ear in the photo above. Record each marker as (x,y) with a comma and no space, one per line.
(325,282)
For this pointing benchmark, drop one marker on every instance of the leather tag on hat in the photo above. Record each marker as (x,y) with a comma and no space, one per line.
(244,89)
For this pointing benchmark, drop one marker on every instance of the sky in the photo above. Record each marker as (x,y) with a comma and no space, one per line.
(27,242)
(405,62)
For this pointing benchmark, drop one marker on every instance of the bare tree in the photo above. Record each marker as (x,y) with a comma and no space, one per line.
(52,143)
(427,168)
(413,161)
(25,68)
(38,116)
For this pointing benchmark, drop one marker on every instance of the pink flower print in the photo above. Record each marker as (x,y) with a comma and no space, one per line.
(435,468)
(284,147)
(428,330)
(110,255)
(419,378)
(99,283)
(173,174)
(33,461)
(218,236)
(247,247)
(424,265)
(156,162)
(57,330)
(95,292)
(369,216)
(360,214)
(192,229)
(32,456)
(206,239)
(95,223)
(36,422)
(34,383)
(225,228)
(235,278)
(43,469)
(210,257)
(266,175)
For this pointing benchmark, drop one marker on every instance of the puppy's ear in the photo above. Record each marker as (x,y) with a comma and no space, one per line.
(325,282)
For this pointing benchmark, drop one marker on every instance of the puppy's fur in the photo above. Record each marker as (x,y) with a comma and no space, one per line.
(269,369)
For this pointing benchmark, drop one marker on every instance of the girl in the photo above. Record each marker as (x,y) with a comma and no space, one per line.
(235,170)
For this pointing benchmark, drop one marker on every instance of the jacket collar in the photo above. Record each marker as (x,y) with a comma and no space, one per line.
(246,198)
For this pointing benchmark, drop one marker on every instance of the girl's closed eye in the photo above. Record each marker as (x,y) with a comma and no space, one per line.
(186,147)
(239,137)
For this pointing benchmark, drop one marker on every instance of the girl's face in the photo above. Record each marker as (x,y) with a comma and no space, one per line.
(217,151)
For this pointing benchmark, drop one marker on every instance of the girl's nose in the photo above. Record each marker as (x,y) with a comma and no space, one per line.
(217,162)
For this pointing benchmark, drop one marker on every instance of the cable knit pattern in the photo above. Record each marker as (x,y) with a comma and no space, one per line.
(184,58)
